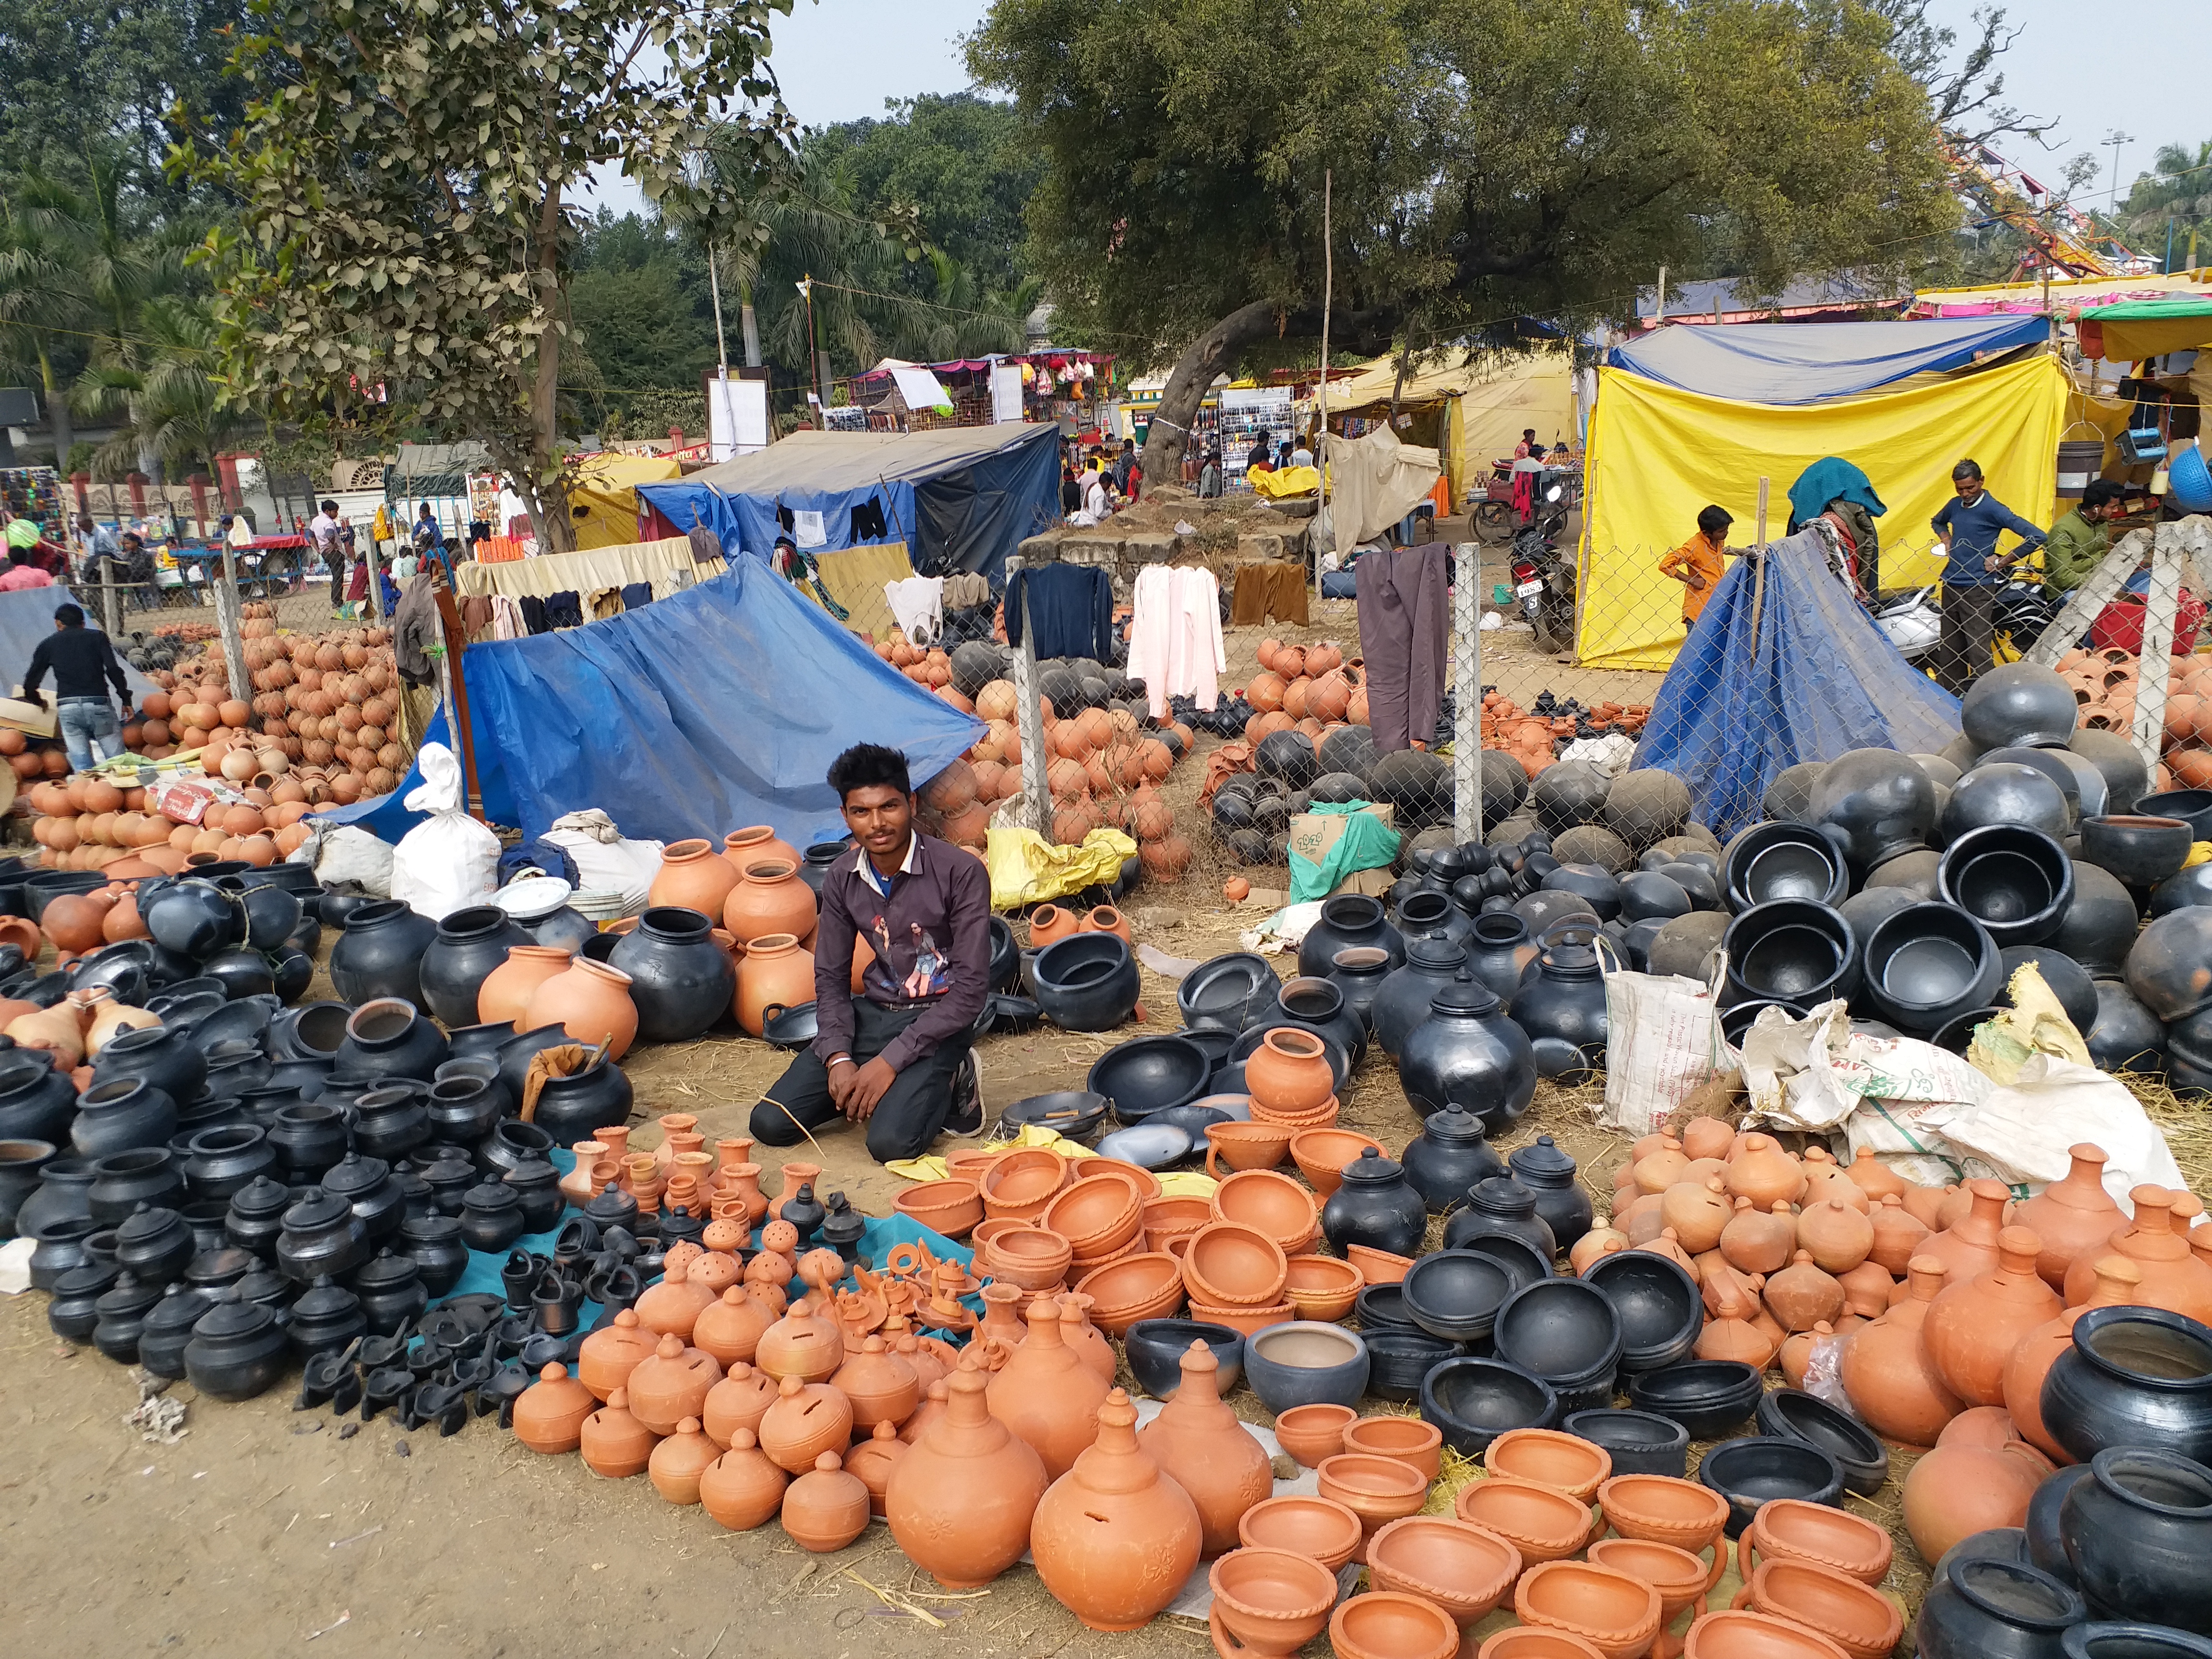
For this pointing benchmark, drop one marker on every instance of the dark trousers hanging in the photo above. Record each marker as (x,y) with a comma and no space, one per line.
(1403,604)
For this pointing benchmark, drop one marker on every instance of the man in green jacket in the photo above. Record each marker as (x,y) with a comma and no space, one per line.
(2078,543)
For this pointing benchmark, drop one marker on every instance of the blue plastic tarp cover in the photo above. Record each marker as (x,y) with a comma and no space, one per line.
(26,616)
(1814,678)
(1805,362)
(719,706)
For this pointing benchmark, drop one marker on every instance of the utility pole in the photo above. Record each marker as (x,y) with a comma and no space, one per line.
(1328,301)
(2113,140)
(813,357)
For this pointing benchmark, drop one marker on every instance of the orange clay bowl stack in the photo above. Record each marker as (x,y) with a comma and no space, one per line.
(1032,1258)
(1461,1568)
(1273,1203)
(1318,1526)
(1097,1216)
(1230,1265)
(1417,1444)
(1019,1184)
(1138,1286)
(951,1207)
(1321,1287)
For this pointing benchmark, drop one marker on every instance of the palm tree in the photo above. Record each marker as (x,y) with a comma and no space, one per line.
(38,298)
(170,408)
(2177,191)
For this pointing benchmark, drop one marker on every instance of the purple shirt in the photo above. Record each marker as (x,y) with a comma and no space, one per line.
(931,936)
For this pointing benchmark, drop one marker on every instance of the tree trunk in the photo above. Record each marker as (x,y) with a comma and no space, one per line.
(1213,353)
(57,413)
(749,322)
(555,534)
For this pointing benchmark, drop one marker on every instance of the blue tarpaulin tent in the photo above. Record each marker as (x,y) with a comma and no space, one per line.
(1806,362)
(960,499)
(721,706)
(1814,678)
(26,616)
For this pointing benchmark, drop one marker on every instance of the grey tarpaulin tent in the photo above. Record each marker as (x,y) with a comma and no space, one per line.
(434,470)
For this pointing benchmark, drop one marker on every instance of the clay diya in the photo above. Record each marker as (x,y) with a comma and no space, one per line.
(1321,1287)
(1791,1529)
(1577,1466)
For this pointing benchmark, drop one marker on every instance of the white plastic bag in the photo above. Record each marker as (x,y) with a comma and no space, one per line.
(1662,1041)
(347,853)
(451,861)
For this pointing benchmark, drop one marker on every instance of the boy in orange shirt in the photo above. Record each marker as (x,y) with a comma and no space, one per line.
(1698,563)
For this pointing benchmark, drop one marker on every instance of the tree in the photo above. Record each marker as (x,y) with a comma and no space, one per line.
(644,325)
(407,178)
(167,404)
(39,306)
(2169,205)
(1485,161)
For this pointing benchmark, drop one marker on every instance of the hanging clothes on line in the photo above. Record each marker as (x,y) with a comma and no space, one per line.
(868,524)
(1403,604)
(1174,635)
(1070,605)
(918,606)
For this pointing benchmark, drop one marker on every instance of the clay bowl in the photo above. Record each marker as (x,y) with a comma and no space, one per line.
(1245,1147)
(1535,1642)
(1734,1635)
(1274,1204)
(2141,851)
(1383,1308)
(1321,1154)
(1321,1286)
(1156,1348)
(1034,1258)
(1615,1613)
(1230,1265)
(1378,1490)
(1162,1218)
(1408,1439)
(1095,1215)
(1794,1414)
(1464,1569)
(1658,1303)
(1384,1624)
(1148,1074)
(1138,1286)
(1377,1266)
(1792,1528)
(1750,1473)
(1311,1433)
(1473,1401)
(1305,1362)
(1523,1261)
(1270,1601)
(1400,1361)
(1856,1617)
(1708,1397)
(1022,1183)
(1663,1509)
(1541,1521)
(951,1207)
(1456,1294)
(1560,1329)
(1577,1468)
(1247,1321)
(1144,1186)
(1640,1443)
(1680,1578)
(1320,1528)
(2193,806)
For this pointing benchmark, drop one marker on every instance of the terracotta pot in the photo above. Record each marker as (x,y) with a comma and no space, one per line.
(771,899)
(615,1445)
(1378,1490)
(1745,1635)
(1018,1186)
(775,971)
(1197,1441)
(755,844)
(1112,1541)
(1230,1264)
(670,1384)
(1794,1529)
(1899,1235)
(741,1489)
(1105,919)
(1543,1522)
(1311,1433)
(882,1386)
(807,1419)
(1971,1328)
(1290,1073)
(1958,1490)
(1388,1624)
(960,1502)
(825,1509)
(1046,1393)
(1457,1565)
(1663,1509)
(804,1343)
(1801,1296)
(588,1000)
(1765,1174)
(549,1414)
(1247,1146)
(2172,1278)
(1617,1614)
(951,1207)
(1564,1461)
(2033,1356)
(1097,1216)
(730,1328)
(1270,1601)
(611,1353)
(2073,1217)
(1408,1440)
(1681,1578)
(736,1404)
(672,1307)
(1269,1202)
(1838,1236)
(1757,1241)
(1893,1383)
(678,1462)
(1317,1527)
(1857,1618)
(1049,924)
(693,876)
(505,994)
(1698,1212)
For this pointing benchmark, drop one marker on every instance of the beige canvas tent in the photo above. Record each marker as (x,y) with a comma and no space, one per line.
(1471,407)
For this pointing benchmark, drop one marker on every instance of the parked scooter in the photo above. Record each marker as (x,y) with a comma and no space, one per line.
(1544,582)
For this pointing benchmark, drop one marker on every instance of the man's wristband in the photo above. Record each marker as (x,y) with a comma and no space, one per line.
(837,1060)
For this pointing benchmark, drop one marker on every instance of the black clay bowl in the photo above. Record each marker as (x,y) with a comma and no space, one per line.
(1222,992)
(2193,806)
(1473,1401)
(2141,851)
(1558,1329)
(1070,1112)
(1306,1363)
(1750,1473)
(1156,1348)
(1708,1397)
(1456,1294)
(2107,1641)
(1398,1361)
(789,1026)
(1659,1305)
(1928,962)
(1794,949)
(1642,1443)
(1523,1261)
(1383,1308)
(2017,882)
(1780,859)
(1148,1074)
(1794,1414)
(1193,1120)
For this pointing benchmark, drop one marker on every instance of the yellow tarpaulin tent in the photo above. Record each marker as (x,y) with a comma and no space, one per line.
(1490,401)
(1657,455)
(603,502)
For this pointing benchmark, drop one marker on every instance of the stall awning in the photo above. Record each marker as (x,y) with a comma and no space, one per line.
(2135,329)
(1806,362)
(434,470)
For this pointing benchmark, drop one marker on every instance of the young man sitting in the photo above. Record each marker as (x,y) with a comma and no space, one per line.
(896,1056)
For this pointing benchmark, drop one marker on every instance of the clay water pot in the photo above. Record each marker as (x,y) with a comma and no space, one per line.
(1457,1565)
(2172,1279)
(1046,1393)
(2134,1376)
(1270,1601)
(693,875)
(741,1489)
(1790,1528)
(1985,1608)
(1319,1528)
(1960,1489)
(770,899)
(2134,1531)
(737,1403)
(1899,1235)
(670,1384)
(2041,1348)
(1615,1612)
(1566,1462)
(1973,1328)
(960,1502)
(1759,1240)
(2073,1217)
(755,843)
(1543,1522)
(549,1415)
(588,1000)
(825,1509)
(1112,1540)
(1663,1509)
(1746,1634)
(1290,1073)
(1893,1383)
(1854,1617)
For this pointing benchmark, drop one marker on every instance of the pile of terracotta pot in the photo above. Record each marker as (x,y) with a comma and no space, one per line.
(1301,682)
(90,823)
(1533,738)
(2104,684)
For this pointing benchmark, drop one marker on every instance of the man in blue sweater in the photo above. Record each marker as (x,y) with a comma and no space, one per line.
(1970,526)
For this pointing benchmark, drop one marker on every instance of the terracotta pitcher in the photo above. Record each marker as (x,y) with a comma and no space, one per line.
(589,1000)
(1969,1245)
(1886,1373)
(693,876)
(775,971)
(961,1501)
(2073,1217)
(1972,1329)
(1197,1440)
(1045,1393)
(771,899)
(1113,1541)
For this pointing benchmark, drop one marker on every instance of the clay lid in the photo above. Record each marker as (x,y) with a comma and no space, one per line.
(1541,1159)
(261,1196)
(235,1319)
(1373,1168)
(1455,1124)
(1436,953)
(179,1308)
(490,1195)
(354,1175)
(1466,996)
(146,1224)
(672,1346)
(328,1301)
(387,1272)
(316,1209)
(1502,1195)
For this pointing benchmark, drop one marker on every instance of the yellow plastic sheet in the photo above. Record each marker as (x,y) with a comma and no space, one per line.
(602,500)
(1027,869)
(1657,455)
(1290,481)
(1177,1183)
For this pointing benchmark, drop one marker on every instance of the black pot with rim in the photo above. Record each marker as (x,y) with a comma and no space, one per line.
(381,953)
(681,981)
(469,944)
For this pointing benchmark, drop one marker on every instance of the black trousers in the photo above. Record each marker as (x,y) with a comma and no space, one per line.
(906,1119)
(1962,649)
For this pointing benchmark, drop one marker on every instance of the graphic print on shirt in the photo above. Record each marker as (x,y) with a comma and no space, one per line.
(926,971)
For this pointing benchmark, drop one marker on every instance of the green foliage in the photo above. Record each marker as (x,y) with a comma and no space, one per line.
(644,324)
(2178,189)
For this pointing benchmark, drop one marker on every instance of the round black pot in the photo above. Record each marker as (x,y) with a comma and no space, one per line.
(22,1164)
(243,973)
(194,918)
(223,1160)
(1315,1005)
(242,1022)
(366,1185)
(307,1139)
(536,1182)
(1348,920)
(119,1116)
(2141,851)
(1398,1361)
(321,1236)
(1756,1471)
(480,1042)
(1791,950)
(470,943)
(1150,1074)
(2045,1529)
(2134,1376)
(1640,1442)
(1929,964)
(326,1318)
(236,1066)
(440,1255)
(1403,1000)
(1456,1294)
(1566,1332)
(1431,913)
(1470,1054)
(1498,1205)
(123,1180)
(1085,982)
(1303,1363)
(256,1216)
(168,1326)
(313,1032)
(1561,1002)
(154,1244)
(1548,1174)
(1794,1414)
(38,1103)
(1226,992)
(1708,1397)
(1358,972)
(381,953)
(1472,1401)
(73,1309)
(514,1142)
(1776,860)
(60,1248)
(1375,1205)
(1988,1609)
(462,1110)
(570,1107)
(124,969)
(391,1122)
(237,1352)
(2068,980)
(2004,792)
(1498,951)
(2114,1641)
(2016,882)
(2193,806)
(389,1038)
(1451,1153)
(681,981)
(1156,1348)
(120,1314)
(271,914)
(1658,1305)
(1382,1308)
(1874,804)
(2018,702)
(391,1292)
(491,1217)
(2165,966)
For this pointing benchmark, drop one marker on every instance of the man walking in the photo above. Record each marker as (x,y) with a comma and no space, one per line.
(323,531)
(83,664)
(1970,525)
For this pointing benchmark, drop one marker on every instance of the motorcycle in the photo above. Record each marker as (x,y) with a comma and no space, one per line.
(1913,622)
(1544,582)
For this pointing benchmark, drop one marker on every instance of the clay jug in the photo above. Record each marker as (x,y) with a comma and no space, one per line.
(2073,1217)
(549,1415)
(1875,1178)
(825,1509)
(2172,1278)
(775,972)
(1971,1328)
(741,1488)
(881,1385)
(1698,1213)
(730,1326)
(1969,1246)
(693,876)
(1197,1440)
(1001,1325)
(754,844)
(672,1307)
(1958,1490)
(1707,1137)
(615,1445)
(1661,1167)
(1114,1539)
(610,1353)
(1838,1236)
(771,899)
(1757,1241)
(1766,1174)
(1892,1383)
(1898,1235)
(506,992)
(2038,1351)
(670,1384)
(678,1462)
(1290,1072)
(737,1403)
(590,1001)
(1089,1342)
(960,1502)
(807,1419)
(1045,1393)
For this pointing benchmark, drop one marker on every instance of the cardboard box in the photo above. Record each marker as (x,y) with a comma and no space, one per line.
(1312,834)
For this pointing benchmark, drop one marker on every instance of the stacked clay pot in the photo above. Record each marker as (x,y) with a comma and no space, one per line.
(2104,681)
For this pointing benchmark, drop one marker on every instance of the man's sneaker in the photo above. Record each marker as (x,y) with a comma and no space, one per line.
(966,1117)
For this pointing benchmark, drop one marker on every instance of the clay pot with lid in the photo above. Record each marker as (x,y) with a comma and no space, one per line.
(1973,1328)
(1801,1296)
(1969,1245)
(549,1415)
(1838,1236)
(670,1384)
(1468,1053)
(1898,1235)
(1112,1538)
(738,1402)
(610,1353)
(882,1386)
(1376,1204)
(2172,1278)
(1197,1441)
(1766,1174)
(741,1489)
(2073,1217)
(804,1344)
(1046,1393)
(2035,1354)
(1757,1241)
(1891,1382)
(615,1445)
(1450,1154)
(1457,1565)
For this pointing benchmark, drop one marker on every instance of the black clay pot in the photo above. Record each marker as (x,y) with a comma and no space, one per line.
(123,1180)
(117,1116)
(381,953)
(321,1235)
(1776,861)
(153,1243)
(1595,887)
(1085,982)
(2135,1376)
(1156,1348)
(1640,1442)
(1927,964)
(366,1184)
(516,1054)
(2107,1640)
(2017,882)
(124,970)
(1225,992)
(1358,972)
(1651,896)
(391,1122)
(73,1310)
(2018,702)
(236,1066)
(2192,886)
(570,1107)
(273,912)
(2045,1536)
(63,1194)
(1469,1055)
(1472,1401)
(60,1248)
(214,1272)
(448,1174)
(243,973)
(1874,804)
(237,1352)
(389,1038)
(491,1217)
(2166,968)
(2193,806)
(37,1103)
(680,979)
(1399,1360)
(1376,1206)
(1451,1153)
(1756,1471)
(1455,1294)
(1381,1308)
(194,918)
(462,1111)
(291,971)
(326,1317)
(1317,1005)
(1431,914)
(1791,950)
(1566,1331)
(1561,1003)
(1794,1414)
(1498,951)
(1151,1075)
(391,1292)
(439,1254)
(311,1031)
(120,1314)
(515,1142)
(22,1164)
(1995,1609)
(168,1326)
(256,1217)
(1500,1205)
(1549,1174)
(469,944)
(223,1160)
(307,1139)
(1708,1397)
(2002,792)
(1657,1304)
(1404,999)
(480,1042)
(1349,919)
(537,1187)
(2141,851)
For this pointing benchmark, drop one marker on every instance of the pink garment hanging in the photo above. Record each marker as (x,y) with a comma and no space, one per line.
(1175,636)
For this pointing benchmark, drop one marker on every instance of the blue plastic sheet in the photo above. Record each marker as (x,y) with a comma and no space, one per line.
(1805,362)
(721,706)
(1746,698)
(26,616)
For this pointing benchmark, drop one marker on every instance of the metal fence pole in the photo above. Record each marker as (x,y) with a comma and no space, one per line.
(1036,797)
(226,619)
(1466,692)
(111,608)
(375,582)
